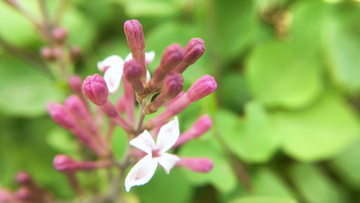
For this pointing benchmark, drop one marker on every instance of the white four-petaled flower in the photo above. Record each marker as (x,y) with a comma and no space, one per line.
(144,170)
(113,67)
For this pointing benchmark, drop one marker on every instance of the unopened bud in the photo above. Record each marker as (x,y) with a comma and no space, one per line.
(201,88)
(25,194)
(58,53)
(5,196)
(177,97)
(66,164)
(75,52)
(120,107)
(194,49)
(77,107)
(172,87)
(95,89)
(202,125)
(23,178)
(59,35)
(133,72)
(202,164)
(135,39)
(47,53)
(171,57)
(61,116)
(75,83)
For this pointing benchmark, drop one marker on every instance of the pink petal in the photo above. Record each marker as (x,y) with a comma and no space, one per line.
(167,161)
(141,173)
(112,78)
(144,142)
(168,135)
(110,61)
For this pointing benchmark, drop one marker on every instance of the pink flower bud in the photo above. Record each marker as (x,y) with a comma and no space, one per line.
(77,107)
(202,125)
(59,34)
(5,196)
(25,194)
(95,89)
(201,88)
(201,164)
(194,49)
(47,53)
(61,116)
(23,178)
(120,107)
(171,57)
(135,39)
(133,72)
(66,164)
(177,97)
(75,52)
(58,53)
(129,101)
(75,82)
(172,87)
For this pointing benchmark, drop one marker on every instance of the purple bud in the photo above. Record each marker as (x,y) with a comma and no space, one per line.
(5,196)
(194,49)
(75,52)
(133,72)
(23,178)
(135,39)
(201,88)
(95,89)
(24,194)
(47,53)
(177,97)
(77,107)
(171,57)
(202,125)
(172,87)
(201,164)
(64,163)
(61,116)
(59,34)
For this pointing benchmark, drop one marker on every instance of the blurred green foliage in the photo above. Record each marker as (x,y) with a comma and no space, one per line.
(286,108)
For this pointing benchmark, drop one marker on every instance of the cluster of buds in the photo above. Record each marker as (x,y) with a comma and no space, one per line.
(28,191)
(164,89)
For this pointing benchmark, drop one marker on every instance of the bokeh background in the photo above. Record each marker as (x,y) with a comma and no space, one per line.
(286,111)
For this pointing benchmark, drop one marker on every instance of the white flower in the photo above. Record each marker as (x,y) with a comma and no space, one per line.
(144,170)
(113,67)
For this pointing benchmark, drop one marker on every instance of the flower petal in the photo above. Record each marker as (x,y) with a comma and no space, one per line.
(112,60)
(141,173)
(112,77)
(149,57)
(167,161)
(144,142)
(148,76)
(168,135)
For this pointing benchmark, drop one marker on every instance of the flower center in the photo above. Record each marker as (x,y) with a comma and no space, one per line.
(155,153)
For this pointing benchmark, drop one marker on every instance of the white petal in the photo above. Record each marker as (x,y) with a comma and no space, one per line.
(144,142)
(112,60)
(149,57)
(148,76)
(168,135)
(167,161)
(112,77)
(128,57)
(141,173)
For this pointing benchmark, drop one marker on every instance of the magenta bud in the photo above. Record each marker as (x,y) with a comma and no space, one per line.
(134,35)
(95,89)
(75,52)
(47,53)
(201,164)
(177,97)
(75,83)
(64,163)
(23,178)
(171,57)
(172,87)
(201,88)
(133,73)
(59,34)
(202,125)
(61,116)
(77,107)
(194,49)
(121,104)
(24,194)
(5,196)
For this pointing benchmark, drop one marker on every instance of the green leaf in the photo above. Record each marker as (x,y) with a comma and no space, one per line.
(281,74)
(173,188)
(315,186)
(263,200)
(268,183)
(318,132)
(24,91)
(347,167)
(221,176)
(253,138)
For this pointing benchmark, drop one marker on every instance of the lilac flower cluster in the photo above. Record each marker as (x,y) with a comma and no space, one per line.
(163,89)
